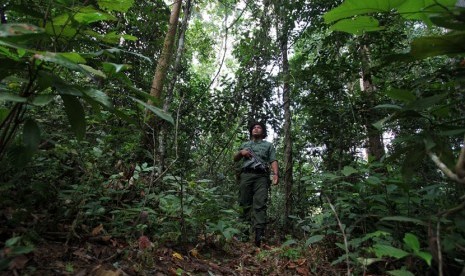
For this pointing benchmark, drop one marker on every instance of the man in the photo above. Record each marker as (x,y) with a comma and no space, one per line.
(257,155)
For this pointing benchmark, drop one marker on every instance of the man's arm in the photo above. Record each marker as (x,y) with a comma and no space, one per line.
(242,153)
(275,168)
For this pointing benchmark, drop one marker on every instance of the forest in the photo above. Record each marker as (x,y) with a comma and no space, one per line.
(119,120)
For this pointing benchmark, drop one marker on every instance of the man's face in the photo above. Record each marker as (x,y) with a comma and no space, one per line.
(257,131)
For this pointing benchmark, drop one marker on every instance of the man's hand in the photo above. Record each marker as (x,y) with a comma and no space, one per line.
(275,179)
(242,153)
(246,153)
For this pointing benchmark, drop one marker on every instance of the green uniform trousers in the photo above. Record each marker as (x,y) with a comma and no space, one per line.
(253,196)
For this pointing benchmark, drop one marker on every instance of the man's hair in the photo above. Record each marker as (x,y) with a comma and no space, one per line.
(264,134)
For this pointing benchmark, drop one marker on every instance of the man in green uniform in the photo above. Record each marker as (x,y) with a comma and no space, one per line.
(257,156)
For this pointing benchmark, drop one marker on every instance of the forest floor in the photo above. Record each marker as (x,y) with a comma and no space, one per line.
(103,256)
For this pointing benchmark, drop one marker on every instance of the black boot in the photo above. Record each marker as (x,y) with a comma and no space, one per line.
(259,233)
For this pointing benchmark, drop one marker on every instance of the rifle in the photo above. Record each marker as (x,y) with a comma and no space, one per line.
(254,162)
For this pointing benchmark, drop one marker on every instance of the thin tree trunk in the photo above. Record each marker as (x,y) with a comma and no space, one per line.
(288,164)
(179,52)
(375,148)
(163,134)
(157,86)
(283,33)
(163,61)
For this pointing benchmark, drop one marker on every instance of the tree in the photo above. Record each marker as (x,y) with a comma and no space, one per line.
(375,146)
(283,26)
(158,82)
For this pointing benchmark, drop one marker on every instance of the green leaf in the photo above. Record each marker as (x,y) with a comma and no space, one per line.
(11,45)
(19,250)
(115,5)
(113,68)
(452,132)
(61,19)
(59,59)
(98,96)
(18,29)
(379,124)
(421,10)
(339,260)
(124,116)
(3,114)
(12,98)
(66,89)
(143,94)
(357,25)
(113,37)
(404,219)
(368,261)
(58,27)
(409,9)
(448,21)
(31,135)
(42,100)
(382,250)
(426,256)
(76,115)
(288,243)
(12,241)
(429,143)
(348,170)
(401,95)
(157,111)
(427,102)
(373,180)
(449,44)
(87,15)
(21,52)
(412,242)
(314,239)
(93,71)
(9,54)
(129,37)
(350,8)
(74,57)
(388,106)
(391,188)
(400,273)
(112,51)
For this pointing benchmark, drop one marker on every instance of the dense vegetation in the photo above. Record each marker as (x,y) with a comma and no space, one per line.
(363,99)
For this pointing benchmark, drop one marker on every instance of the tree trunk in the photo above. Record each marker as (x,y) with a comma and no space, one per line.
(163,134)
(163,61)
(375,147)
(283,34)
(179,52)
(157,86)
(288,165)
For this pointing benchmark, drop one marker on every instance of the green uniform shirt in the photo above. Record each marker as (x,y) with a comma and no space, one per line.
(264,151)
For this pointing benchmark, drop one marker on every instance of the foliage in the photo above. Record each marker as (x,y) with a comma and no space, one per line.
(87,65)
(35,66)
(14,247)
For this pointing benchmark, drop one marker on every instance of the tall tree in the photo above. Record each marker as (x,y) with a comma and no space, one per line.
(282,27)
(159,79)
(375,147)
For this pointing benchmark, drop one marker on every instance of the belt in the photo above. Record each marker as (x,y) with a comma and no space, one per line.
(256,171)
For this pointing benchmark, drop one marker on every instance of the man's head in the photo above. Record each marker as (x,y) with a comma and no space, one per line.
(257,128)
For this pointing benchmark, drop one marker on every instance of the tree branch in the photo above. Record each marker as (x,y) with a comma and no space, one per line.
(445,169)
